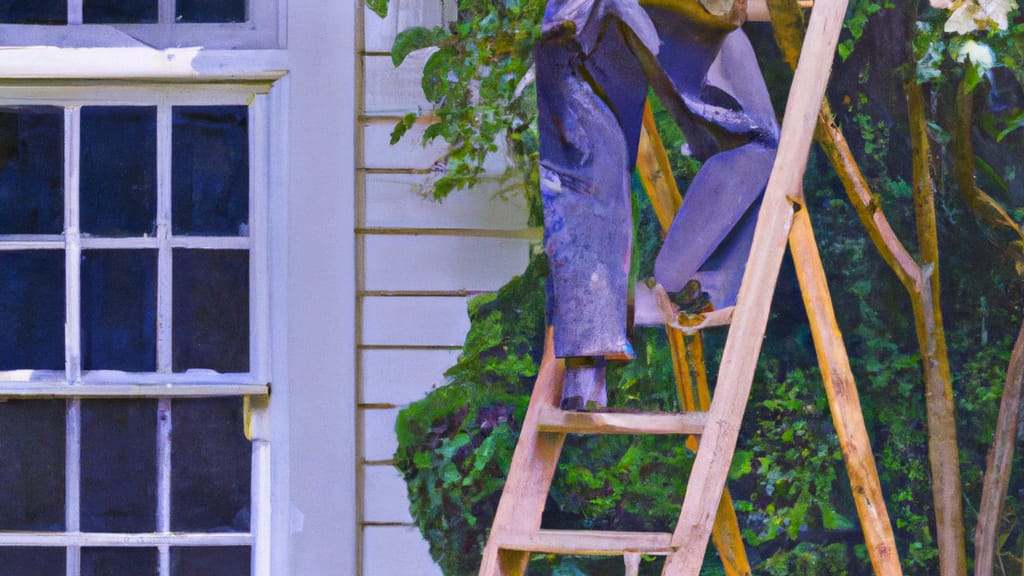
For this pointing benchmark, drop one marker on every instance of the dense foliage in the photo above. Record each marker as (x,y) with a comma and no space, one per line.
(788,479)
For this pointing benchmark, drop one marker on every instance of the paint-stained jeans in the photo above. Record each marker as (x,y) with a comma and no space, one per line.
(595,63)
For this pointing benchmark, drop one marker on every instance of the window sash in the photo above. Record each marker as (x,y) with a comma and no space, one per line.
(73,382)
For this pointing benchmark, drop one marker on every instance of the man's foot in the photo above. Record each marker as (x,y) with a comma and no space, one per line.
(584,387)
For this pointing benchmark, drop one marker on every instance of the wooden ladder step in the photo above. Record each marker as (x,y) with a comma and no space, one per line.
(555,420)
(586,542)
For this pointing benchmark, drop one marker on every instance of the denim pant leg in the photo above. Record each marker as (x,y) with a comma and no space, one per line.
(710,237)
(585,171)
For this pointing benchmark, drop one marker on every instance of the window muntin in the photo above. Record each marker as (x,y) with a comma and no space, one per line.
(102,482)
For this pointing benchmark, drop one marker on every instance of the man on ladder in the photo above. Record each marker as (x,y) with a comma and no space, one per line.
(595,62)
(593,57)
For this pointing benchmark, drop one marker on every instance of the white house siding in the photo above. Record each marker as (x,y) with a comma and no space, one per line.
(419,264)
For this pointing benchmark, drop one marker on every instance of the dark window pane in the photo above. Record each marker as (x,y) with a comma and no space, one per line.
(32,310)
(32,561)
(210,466)
(33,11)
(31,170)
(32,465)
(210,174)
(211,11)
(119,310)
(118,180)
(118,465)
(119,562)
(119,11)
(211,310)
(210,561)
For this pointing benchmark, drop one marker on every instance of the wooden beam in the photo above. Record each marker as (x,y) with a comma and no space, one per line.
(554,420)
(843,399)
(587,542)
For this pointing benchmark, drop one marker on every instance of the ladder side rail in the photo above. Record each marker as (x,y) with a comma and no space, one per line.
(743,345)
(725,533)
(660,186)
(530,472)
(843,399)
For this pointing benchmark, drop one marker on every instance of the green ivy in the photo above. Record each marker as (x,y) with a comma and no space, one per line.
(477,79)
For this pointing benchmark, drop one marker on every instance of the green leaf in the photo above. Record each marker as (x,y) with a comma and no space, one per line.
(450,474)
(741,464)
(845,48)
(433,131)
(989,171)
(413,39)
(797,515)
(1013,124)
(402,127)
(452,446)
(435,74)
(379,7)
(831,518)
(421,460)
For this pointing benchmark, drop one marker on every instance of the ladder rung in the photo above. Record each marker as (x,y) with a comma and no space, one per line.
(586,542)
(555,420)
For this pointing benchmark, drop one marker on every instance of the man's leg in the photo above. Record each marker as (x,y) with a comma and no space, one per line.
(587,157)
(710,237)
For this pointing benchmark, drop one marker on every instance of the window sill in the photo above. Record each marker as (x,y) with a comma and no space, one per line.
(141,63)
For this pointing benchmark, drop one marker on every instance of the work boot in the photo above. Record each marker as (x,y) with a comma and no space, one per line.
(584,386)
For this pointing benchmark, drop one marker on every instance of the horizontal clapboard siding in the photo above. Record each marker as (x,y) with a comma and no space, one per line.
(399,377)
(399,201)
(399,262)
(403,14)
(391,91)
(414,321)
(421,262)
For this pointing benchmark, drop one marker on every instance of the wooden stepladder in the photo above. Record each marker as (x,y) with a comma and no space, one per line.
(707,510)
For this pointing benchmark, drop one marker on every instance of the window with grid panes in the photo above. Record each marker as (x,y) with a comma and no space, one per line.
(133,329)
(161,23)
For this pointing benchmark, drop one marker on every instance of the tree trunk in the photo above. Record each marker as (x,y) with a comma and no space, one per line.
(999,463)
(943,451)
(1000,455)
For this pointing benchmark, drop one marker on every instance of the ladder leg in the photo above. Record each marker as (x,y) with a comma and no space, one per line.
(653,166)
(529,476)
(843,398)
(725,534)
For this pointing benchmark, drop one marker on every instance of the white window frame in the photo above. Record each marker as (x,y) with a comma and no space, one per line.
(74,384)
(264,28)
(312,103)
